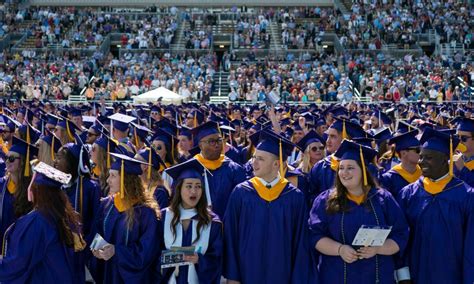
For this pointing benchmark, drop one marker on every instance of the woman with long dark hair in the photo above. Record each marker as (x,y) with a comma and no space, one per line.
(338,213)
(189,222)
(13,196)
(129,223)
(41,246)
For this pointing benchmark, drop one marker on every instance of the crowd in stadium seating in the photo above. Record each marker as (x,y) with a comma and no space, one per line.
(198,38)
(252,31)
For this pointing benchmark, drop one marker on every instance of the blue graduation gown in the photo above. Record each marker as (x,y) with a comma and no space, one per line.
(233,154)
(267,242)
(136,250)
(209,267)
(441,246)
(243,155)
(465,175)
(322,224)
(6,206)
(162,196)
(91,195)
(393,182)
(35,254)
(221,183)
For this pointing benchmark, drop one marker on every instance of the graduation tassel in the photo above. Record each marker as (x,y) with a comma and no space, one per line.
(344,132)
(135,136)
(281,160)
(52,148)
(81,195)
(27,164)
(451,161)
(68,131)
(122,178)
(108,155)
(149,166)
(195,120)
(364,170)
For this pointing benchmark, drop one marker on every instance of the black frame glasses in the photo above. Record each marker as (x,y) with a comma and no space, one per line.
(11,159)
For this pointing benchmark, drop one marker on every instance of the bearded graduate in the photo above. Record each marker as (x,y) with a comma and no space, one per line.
(439,209)
(338,213)
(42,246)
(189,222)
(129,222)
(407,147)
(265,232)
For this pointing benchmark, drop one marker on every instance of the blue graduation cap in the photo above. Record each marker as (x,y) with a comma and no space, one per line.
(382,134)
(49,176)
(275,144)
(108,144)
(121,121)
(152,158)
(52,119)
(350,150)
(25,149)
(126,165)
(464,124)
(189,169)
(204,130)
(198,117)
(441,142)
(382,116)
(75,112)
(53,142)
(310,137)
(140,131)
(405,141)
(32,134)
(185,131)
(166,125)
(348,129)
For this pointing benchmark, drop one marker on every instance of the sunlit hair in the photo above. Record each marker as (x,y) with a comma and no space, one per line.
(44,152)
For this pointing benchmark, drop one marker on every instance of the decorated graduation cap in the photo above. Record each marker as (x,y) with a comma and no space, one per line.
(275,144)
(310,137)
(49,176)
(441,142)
(405,140)
(152,158)
(350,150)
(204,130)
(121,121)
(126,165)
(25,149)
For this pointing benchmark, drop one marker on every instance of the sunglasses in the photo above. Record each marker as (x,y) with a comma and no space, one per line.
(316,148)
(92,134)
(11,159)
(464,138)
(158,147)
(416,150)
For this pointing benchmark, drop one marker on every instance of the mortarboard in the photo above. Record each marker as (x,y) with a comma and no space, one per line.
(441,142)
(49,176)
(405,140)
(149,154)
(189,169)
(25,149)
(348,129)
(121,121)
(269,141)
(126,165)
(204,130)
(310,137)
(53,142)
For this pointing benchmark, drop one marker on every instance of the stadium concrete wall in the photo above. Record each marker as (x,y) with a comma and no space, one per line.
(193,3)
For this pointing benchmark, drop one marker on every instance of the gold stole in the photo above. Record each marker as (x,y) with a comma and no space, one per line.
(435,187)
(268,194)
(208,164)
(11,186)
(121,204)
(357,199)
(469,165)
(334,163)
(410,178)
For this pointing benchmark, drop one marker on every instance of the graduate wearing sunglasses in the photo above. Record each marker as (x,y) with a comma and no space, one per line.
(13,195)
(464,162)
(407,147)
(312,146)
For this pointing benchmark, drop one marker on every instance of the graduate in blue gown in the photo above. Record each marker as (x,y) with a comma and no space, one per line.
(151,176)
(129,223)
(464,162)
(39,247)
(407,147)
(440,212)
(265,231)
(338,213)
(13,186)
(189,207)
(222,174)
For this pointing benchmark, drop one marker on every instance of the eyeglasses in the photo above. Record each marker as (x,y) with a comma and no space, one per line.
(11,159)
(316,148)
(213,142)
(154,113)
(464,138)
(416,150)
(51,129)
(158,147)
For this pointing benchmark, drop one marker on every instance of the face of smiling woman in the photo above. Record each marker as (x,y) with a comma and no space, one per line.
(350,174)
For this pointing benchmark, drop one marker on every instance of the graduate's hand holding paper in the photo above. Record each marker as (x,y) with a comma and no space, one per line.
(194,259)
(367,252)
(107,252)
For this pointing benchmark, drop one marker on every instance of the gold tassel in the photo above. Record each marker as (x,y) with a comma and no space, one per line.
(81,199)
(281,161)
(451,160)
(27,163)
(344,132)
(136,136)
(69,134)
(195,122)
(52,148)
(364,170)
(108,155)
(149,166)
(122,178)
